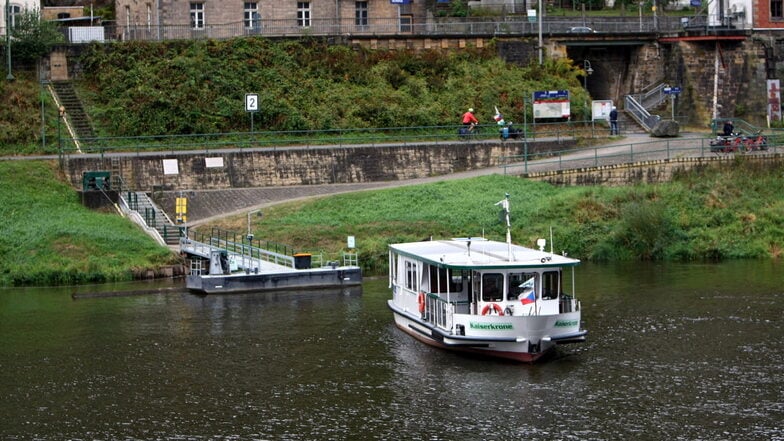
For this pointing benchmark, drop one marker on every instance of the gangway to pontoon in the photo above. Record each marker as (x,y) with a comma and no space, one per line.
(246,257)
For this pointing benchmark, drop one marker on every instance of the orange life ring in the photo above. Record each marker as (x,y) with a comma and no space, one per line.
(495,306)
(421,301)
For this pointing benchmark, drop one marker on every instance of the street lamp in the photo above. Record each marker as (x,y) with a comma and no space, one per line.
(588,71)
(250,242)
(10,76)
(61,115)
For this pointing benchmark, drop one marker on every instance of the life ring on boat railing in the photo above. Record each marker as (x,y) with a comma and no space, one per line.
(421,301)
(494,306)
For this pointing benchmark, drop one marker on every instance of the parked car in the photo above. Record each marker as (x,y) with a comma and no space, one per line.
(581,30)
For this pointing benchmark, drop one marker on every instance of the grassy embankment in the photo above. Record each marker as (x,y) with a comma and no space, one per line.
(48,238)
(711,215)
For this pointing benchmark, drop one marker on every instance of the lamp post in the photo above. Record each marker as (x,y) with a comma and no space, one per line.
(540,12)
(60,116)
(588,71)
(10,76)
(250,241)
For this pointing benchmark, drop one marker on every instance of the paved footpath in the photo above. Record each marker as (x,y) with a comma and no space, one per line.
(208,205)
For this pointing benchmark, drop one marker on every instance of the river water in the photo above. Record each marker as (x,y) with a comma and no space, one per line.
(674,352)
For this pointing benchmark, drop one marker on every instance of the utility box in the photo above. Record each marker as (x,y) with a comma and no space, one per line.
(302,260)
(96,180)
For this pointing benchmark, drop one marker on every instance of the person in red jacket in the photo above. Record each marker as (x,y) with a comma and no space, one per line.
(469,119)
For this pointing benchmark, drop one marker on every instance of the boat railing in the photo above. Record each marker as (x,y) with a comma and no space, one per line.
(196,267)
(253,252)
(350,259)
(439,311)
(568,303)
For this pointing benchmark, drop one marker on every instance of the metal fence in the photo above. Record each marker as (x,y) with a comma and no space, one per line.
(515,25)
(658,149)
(336,138)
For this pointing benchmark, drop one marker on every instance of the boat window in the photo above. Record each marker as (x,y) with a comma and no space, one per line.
(444,280)
(492,287)
(551,285)
(457,281)
(522,285)
(411,275)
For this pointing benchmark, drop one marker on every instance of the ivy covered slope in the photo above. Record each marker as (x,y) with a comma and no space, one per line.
(48,238)
(184,87)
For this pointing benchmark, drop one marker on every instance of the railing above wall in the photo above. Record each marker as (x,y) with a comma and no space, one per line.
(415,26)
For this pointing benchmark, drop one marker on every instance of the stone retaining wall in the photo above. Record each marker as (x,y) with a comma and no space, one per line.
(649,172)
(222,169)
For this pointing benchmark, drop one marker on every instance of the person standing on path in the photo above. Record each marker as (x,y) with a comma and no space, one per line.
(614,121)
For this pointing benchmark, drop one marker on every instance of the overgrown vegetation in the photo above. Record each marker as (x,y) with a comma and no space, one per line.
(32,38)
(48,238)
(184,87)
(709,215)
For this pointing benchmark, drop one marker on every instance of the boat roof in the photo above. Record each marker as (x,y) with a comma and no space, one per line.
(479,253)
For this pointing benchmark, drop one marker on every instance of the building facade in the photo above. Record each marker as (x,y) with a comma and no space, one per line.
(175,19)
(15,7)
(768,15)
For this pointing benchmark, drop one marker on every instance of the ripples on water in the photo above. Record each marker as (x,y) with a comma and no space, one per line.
(675,352)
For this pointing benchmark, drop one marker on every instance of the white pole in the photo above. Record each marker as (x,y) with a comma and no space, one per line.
(540,32)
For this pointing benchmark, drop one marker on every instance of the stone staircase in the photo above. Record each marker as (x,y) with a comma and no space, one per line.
(77,117)
(153,216)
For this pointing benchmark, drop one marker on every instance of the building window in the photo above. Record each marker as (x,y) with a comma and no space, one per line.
(149,16)
(406,23)
(251,17)
(60,16)
(14,11)
(197,16)
(303,14)
(776,9)
(361,14)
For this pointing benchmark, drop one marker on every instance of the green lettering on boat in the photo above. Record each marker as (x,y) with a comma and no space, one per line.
(491,326)
(565,323)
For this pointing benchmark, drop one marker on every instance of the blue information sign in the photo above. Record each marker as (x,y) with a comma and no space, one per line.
(550,94)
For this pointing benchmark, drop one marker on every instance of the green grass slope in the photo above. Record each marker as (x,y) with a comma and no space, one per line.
(48,238)
(711,215)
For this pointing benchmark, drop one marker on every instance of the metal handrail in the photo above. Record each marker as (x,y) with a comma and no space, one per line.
(660,149)
(640,114)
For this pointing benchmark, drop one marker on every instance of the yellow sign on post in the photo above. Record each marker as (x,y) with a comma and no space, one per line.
(181,208)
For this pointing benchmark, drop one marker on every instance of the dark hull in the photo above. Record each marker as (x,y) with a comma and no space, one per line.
(316,278)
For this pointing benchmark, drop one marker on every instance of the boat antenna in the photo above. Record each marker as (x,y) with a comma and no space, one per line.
(504,203)
(551,240)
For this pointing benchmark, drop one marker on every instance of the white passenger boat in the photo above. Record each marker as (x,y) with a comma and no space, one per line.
(485,297)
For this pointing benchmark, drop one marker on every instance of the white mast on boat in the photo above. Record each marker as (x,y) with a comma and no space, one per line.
(504,203)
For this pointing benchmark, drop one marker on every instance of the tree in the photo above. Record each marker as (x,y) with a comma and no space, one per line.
(32,38)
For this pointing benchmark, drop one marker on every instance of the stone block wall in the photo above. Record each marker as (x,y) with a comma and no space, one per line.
(298,166)
(647,172)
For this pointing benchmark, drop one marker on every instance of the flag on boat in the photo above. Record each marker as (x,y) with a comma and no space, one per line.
(529,298)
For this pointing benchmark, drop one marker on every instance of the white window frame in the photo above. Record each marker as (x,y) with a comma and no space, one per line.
(197,16)
(13,12)
(249,9)
(303,14)
(149,17)
(361,13)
